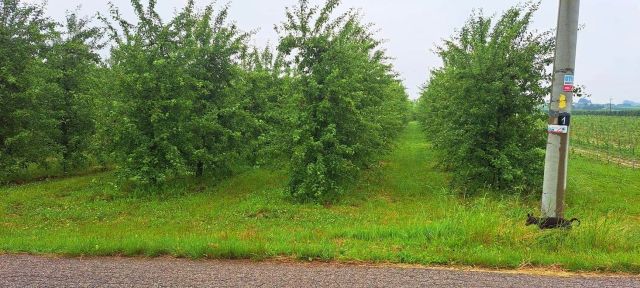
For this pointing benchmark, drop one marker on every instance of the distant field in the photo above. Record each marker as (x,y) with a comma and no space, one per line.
(401,211)
(614,136)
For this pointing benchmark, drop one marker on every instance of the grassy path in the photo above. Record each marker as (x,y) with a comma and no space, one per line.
(400,211)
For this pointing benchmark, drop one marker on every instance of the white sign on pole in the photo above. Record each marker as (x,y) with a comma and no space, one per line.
(558,129)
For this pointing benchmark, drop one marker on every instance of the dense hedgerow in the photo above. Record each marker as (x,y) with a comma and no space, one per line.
(630,112)
(351,103)
(480,109)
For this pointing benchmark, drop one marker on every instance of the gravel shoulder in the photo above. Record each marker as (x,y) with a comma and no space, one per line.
(38,271)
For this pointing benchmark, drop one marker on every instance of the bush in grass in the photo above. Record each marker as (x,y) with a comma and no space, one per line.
(481,108)
(351,104)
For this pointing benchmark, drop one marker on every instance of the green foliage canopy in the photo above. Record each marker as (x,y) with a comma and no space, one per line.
(351,104)
(177,106)
(75,59)
(28,129)
(189,97)
(481,109)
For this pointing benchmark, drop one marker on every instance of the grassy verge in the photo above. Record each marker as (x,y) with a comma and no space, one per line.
(398,212)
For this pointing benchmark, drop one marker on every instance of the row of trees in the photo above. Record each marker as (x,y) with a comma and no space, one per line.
(189,97)
(482,108)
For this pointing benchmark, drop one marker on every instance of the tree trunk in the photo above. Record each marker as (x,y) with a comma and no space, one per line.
(199,169)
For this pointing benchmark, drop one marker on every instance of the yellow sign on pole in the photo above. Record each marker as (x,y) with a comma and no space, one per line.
(563,101)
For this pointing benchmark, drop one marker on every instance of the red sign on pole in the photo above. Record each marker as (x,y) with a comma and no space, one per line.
(567,88)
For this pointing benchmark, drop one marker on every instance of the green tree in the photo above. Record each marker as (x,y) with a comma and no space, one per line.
(481,109)
(219,123)
(74,56)
(29,125)
(153,95)
(270,97)
(176,90)
(106,109)
(343,83)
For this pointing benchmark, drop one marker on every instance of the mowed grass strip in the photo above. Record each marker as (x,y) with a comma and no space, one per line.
(400,211)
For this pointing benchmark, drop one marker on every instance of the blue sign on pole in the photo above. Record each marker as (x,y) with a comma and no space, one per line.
(568,79)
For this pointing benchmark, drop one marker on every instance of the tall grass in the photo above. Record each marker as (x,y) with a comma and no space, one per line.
(400,211)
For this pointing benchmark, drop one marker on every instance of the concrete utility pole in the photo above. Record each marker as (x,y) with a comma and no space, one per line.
(555,169)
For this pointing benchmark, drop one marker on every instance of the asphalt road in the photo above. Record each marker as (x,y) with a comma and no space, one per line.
(33,271)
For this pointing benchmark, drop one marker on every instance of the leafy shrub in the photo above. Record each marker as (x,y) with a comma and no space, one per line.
(480,109)
(28,122)
(177,110)
(351,104)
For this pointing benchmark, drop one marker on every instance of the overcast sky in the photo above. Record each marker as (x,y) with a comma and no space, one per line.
(608,56)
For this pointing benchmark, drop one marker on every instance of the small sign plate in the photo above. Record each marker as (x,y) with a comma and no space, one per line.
(567,88)
(564,119)
(558,129)
(568,79)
